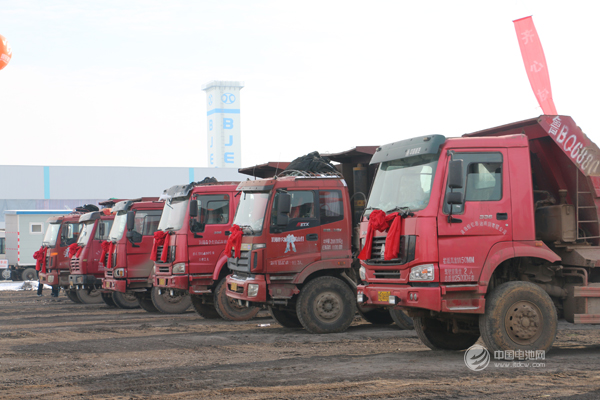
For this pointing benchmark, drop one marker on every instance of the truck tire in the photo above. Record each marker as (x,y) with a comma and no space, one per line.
(145,302)
(402,320)
(108,300)
(228,308)
(167,304)
(436,335)
(376,316)
(326,305)
(29,274)
(206,311)
(87,296)
(125,301)
(285,318)
(6,274)
(518,316)
(72,295)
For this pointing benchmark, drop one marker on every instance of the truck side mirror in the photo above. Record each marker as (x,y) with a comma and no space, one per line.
(101,229)
(455,174)
(193,208)
(284,203)
(454,198)
(130,220)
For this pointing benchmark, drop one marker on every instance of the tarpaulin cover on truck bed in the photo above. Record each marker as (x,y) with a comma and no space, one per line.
(312,162)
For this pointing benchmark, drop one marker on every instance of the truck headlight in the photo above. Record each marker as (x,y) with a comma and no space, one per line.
(119,272)
(179,268)
(252,290)
(423,272)
(362,272)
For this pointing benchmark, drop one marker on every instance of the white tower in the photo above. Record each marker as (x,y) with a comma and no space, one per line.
(223,124)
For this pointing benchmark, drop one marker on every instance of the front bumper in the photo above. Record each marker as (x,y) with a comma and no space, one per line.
(238,288)
(84,280)
(172,281)
(405,296)
(54,278)
(116,285)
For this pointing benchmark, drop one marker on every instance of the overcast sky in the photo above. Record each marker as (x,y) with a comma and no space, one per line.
(118,83)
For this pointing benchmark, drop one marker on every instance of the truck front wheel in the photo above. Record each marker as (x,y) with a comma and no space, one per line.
(178,303)
(402,320)
(107,298)
(126,301)
(285,318)
(437,334)
(90,296)
(228,307)
(206,311)
(145,302)
(29,274)
(326,305)
(72,295)
(518,316)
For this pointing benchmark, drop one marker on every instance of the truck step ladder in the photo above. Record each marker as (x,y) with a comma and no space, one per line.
(585,197)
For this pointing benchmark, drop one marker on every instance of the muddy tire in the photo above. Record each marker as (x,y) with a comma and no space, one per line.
(285,318)
(29,274)
(108,299)
(206,311)
(401,320)
(228,307)
(125,301)
(87,296)
(72,295)
(436,335)
(167,304)
(145,302)
(326,305)
(376,316)
(518,316)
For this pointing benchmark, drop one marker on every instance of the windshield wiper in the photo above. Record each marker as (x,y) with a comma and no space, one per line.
(249,228)
(371,208)
(405,210)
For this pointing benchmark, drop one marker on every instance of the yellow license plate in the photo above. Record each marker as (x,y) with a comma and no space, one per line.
(71,285)
(383,296)
(162,281)
(234,286)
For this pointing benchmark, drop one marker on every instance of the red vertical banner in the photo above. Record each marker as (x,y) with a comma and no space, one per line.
(535,64)
(5,52)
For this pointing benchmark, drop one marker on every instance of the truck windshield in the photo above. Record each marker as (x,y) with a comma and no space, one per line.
(251,211)
(51,235)
(118,227)
(173,214)
(404,183)
(85,234)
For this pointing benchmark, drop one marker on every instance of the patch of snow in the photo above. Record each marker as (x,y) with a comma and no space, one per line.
(26,285)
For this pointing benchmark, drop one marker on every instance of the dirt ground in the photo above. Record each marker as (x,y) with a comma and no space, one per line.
(56,349)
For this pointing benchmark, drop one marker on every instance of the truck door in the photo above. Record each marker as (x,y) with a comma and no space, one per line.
(138,258)
(335,238)
(483,219)
(297,245)
(209,232)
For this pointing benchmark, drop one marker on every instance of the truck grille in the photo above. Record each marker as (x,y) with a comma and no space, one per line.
(391,274)
(164,270)
(75,267)
(240,264)
(170,256)
(406,254)
(108,273)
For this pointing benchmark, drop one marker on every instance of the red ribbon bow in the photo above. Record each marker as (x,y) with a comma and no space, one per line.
(160,239)
(40,257)
(75,250)
(234,241)
(378,221)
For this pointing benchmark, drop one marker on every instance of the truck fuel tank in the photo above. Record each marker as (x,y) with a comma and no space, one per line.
(556,223)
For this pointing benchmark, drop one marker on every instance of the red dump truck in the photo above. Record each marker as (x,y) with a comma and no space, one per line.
(494,234)
(126,254)
(196,222)
(61,232)
(86,269)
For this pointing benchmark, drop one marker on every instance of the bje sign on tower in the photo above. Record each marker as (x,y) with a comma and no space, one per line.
(223,124)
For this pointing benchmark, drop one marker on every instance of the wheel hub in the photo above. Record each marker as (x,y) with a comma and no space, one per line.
(524,322)
(328,306)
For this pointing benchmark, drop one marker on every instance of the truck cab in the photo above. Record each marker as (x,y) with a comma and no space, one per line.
(126,253)
(492,234)
(86,270)
(295,250)
(195,225)
(61,232)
